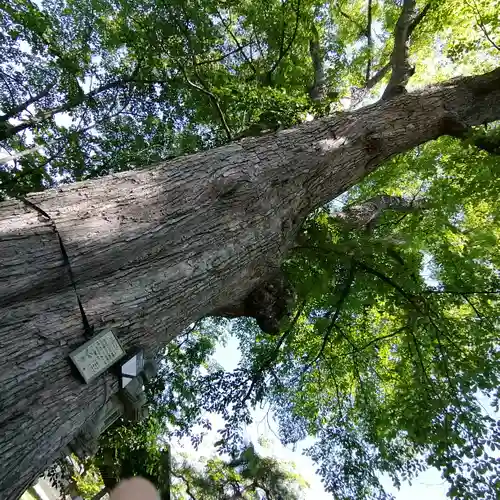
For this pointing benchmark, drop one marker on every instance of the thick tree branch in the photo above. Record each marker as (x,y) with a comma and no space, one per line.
(369,43)
(400,65)
(382,72)
(369,211)
(317,91)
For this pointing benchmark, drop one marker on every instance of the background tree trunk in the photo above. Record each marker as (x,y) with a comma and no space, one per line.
(156,249)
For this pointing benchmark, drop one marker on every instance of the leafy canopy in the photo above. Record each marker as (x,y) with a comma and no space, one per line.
(390,358)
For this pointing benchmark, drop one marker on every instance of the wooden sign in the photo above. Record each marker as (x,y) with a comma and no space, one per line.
(97,355)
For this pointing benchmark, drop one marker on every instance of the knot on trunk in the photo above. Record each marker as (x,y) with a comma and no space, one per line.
(268,303)
(451,125)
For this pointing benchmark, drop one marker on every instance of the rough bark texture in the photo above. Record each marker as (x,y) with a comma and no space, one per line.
(367,213)
(155,249)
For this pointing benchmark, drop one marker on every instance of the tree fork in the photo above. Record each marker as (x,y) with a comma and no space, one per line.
(154,250)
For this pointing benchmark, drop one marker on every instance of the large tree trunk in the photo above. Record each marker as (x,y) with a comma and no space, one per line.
(155,249)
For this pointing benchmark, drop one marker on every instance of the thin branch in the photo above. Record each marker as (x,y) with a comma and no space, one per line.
(6,159)
(273,356)
(465,292)
(481,24)
(178,475)
(410,298)
(225,56)
(4,77)
(377,77)
(204,87)
(236,41)
(338,307)
(349,18)
(284,51)
(101,493)
(444,360)
(282,36)
(259,44)
(70,104)
(316,92)
(214,101)
(418,18)
(421,362)
(360,94)
(378,339)
(475,309)
(340,400)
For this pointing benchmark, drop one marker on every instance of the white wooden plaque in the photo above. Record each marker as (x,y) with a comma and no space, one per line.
(97,355)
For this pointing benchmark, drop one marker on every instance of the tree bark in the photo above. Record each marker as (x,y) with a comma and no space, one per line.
(154,250)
